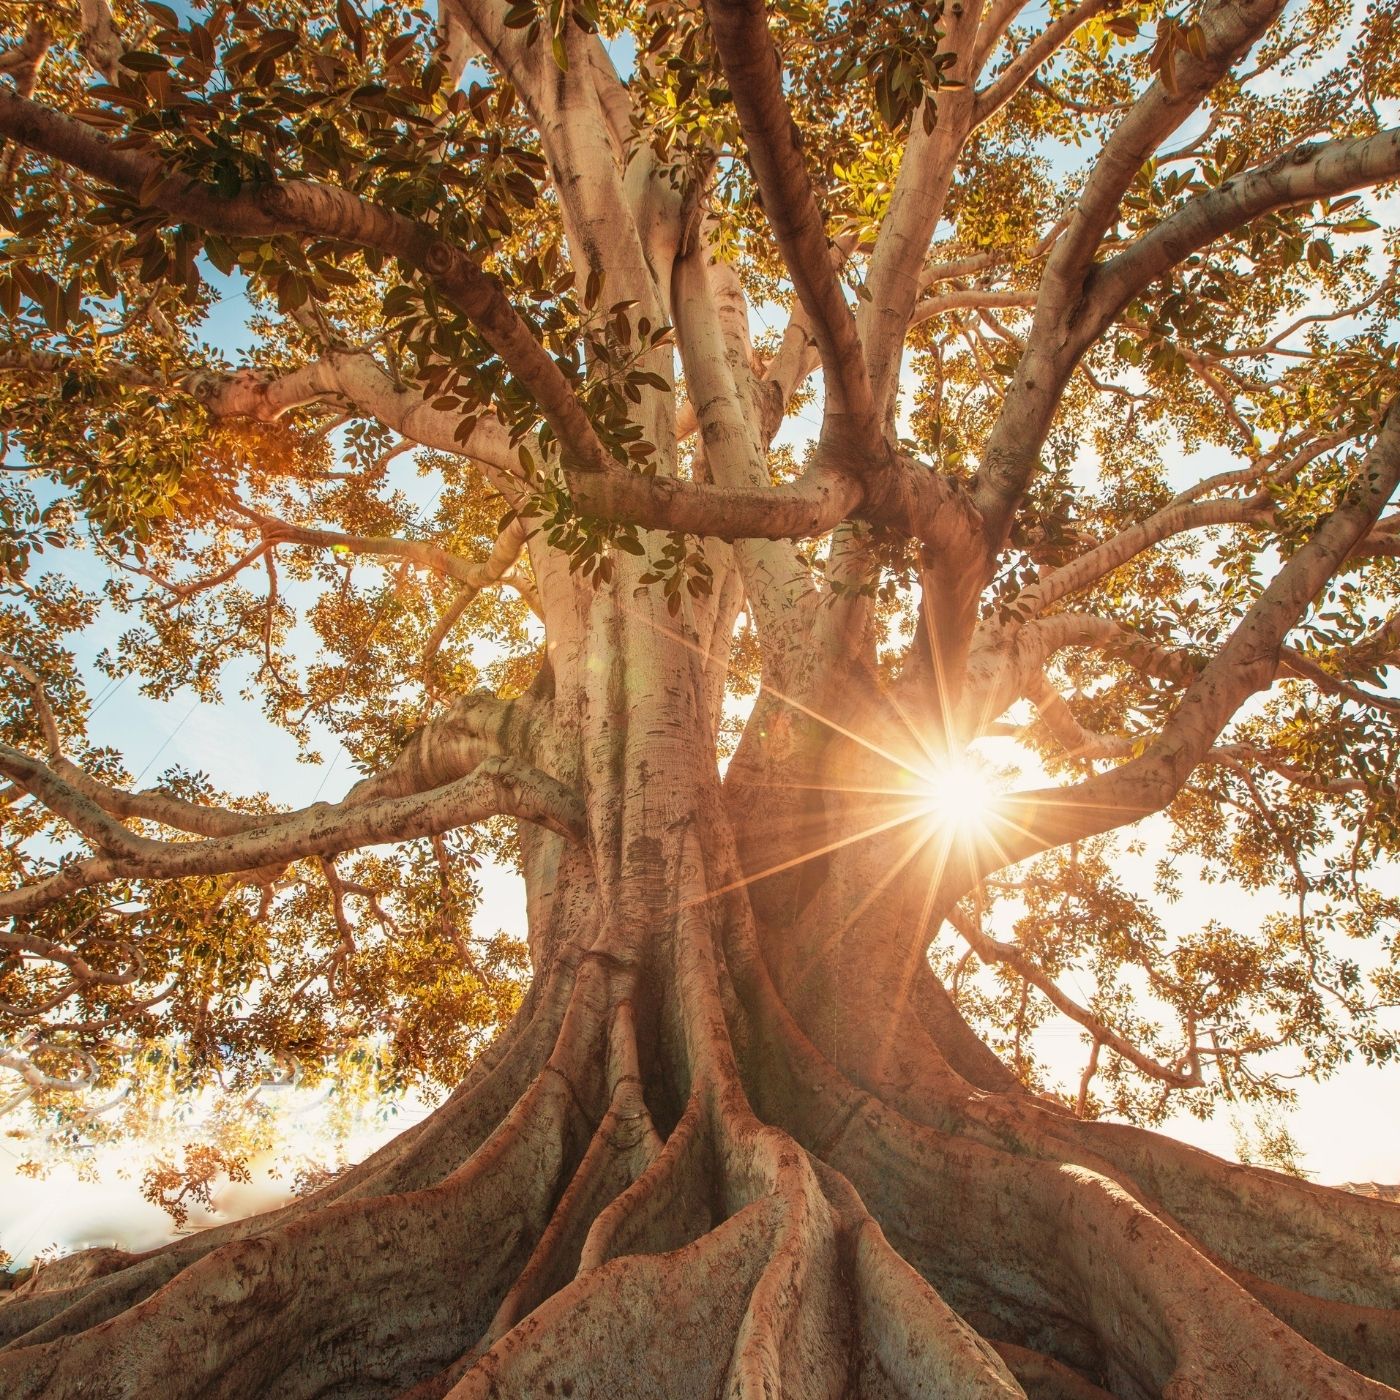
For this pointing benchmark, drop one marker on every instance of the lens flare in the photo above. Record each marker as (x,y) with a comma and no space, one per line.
(960,797)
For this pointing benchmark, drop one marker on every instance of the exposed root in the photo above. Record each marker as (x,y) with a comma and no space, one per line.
(1305,1238)
(792,1339)
(1049,1254)
(1366,1339)
(1043,1378)
(1170,1323)
(1064,1261)
(85,1289)
(444,1256)
(1325,1261)
(273,1314)
(624,1145)
(906,1333)
(797,1234)
(644,1325)
(955,1040)
(668,1205)
(71,1271)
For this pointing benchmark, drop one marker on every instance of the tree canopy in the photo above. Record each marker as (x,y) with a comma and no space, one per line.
(902,399)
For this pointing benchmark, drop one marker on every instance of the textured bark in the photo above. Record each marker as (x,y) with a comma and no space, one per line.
(739,1141)
(706,1159)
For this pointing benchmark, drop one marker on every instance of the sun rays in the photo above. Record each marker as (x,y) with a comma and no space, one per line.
(961,798)
(954,803)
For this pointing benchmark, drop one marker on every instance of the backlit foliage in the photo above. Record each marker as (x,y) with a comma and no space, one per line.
(303,556)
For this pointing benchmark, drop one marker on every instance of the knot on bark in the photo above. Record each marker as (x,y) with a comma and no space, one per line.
(272,199)
(438,259)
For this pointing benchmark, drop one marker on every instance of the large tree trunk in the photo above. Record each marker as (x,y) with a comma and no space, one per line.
(739,1141)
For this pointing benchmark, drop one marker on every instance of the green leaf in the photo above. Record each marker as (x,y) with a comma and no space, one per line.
(138,61)
(352,26)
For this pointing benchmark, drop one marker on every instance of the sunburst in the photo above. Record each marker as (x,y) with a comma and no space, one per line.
(960,798)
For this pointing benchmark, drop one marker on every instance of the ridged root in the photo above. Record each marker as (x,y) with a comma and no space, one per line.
(1063,1252)
(641,1194)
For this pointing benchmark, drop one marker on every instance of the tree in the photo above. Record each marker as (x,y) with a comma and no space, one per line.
(739,1134)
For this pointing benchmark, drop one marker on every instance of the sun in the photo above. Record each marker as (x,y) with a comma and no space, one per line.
(960,796)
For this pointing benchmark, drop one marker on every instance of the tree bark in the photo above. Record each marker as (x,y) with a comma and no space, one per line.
(738,1140)
(707,1157)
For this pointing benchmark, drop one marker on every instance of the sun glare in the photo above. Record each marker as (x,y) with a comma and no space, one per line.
(960,796)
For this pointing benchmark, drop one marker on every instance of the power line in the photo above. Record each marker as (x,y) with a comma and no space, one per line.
(112,688)
(166,744)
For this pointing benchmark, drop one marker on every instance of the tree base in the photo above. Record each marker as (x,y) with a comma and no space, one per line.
(635,1196)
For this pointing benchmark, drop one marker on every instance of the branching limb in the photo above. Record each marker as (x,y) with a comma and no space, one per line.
(497,787)
(101,43)
(498,567)
(32,945)
(1228,28)
(423,553)
(969,298)
(1274,345)
(325,211)
(152,805)
(347,376)
(1005,663)
(1184,1074)
(750,61)
(1073,737)
(1275,468)
(1059,334)
(1247,662)
(997,17)
(1305,668)
(992,98)
(1186,512)
(190,588)
(579,109)
(920,501)
(17,361)
(1299,176)
(1383,539)
(475,727)
(712,332)
(23,62)
(938,131)
(37,1080)
(1238,756)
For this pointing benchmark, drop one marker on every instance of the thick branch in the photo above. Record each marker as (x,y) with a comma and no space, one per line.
(920,194)
(497,787)
(1059,335)
(992,98)
(1248,662)
(750,61)
(1073,737)
(476,575)
(601,486)
(1308,173)
(1228,29)
(1113,553)
(711,318)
